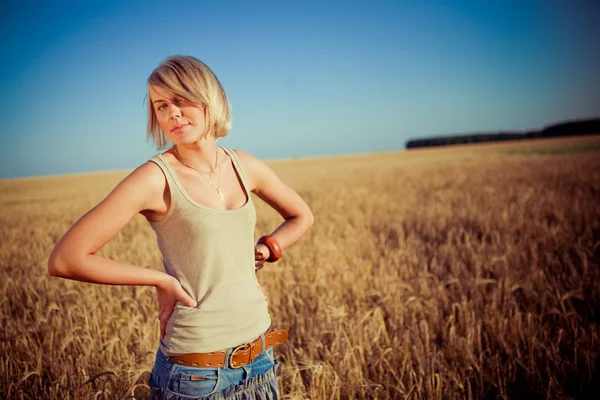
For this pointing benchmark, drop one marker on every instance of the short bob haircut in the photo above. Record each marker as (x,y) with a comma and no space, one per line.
(190,78)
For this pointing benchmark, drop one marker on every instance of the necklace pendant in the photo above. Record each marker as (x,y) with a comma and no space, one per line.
(220,195)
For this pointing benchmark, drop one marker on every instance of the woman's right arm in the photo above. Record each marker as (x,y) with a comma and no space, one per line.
(74,256)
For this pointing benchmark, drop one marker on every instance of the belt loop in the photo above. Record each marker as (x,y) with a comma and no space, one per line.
(263,343)
(226,363)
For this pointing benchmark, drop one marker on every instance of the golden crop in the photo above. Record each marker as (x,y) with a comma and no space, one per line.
(467,272)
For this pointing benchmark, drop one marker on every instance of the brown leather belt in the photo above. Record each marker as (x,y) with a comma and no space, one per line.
(240,356)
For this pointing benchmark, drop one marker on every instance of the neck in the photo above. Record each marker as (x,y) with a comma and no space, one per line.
(200,155)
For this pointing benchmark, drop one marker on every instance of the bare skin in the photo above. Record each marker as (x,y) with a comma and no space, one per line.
(145,191)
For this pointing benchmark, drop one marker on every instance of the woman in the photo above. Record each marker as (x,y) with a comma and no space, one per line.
(215,336)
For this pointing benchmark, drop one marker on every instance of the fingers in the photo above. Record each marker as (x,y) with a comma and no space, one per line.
(259,264)
(164,314)
(261,251)
(259,259)
(188,301)
(167,298)
(163,317)
(163,328)
(258,254)
(186,298)
(161,313)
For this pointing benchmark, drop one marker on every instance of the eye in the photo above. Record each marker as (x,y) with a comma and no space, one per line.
(161,107)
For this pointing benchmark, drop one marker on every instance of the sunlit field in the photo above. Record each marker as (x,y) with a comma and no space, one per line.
(467,272)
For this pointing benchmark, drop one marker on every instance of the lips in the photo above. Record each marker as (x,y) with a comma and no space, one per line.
(179,127)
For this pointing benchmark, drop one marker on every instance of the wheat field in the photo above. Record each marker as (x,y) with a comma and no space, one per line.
(470,272)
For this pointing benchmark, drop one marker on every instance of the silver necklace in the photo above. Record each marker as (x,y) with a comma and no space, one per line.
(217,188)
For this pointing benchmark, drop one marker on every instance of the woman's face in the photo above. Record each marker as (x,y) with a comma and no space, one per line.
(182,121)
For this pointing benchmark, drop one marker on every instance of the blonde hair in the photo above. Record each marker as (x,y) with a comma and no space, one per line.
(191,79)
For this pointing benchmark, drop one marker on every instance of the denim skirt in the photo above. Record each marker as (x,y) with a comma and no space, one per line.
(257,380)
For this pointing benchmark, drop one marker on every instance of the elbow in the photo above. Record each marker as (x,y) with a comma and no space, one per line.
(56,265)
(310,219)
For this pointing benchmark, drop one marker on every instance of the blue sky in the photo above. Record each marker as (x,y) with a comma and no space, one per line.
(304,78)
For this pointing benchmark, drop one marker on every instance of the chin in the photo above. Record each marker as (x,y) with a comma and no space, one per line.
(186,140)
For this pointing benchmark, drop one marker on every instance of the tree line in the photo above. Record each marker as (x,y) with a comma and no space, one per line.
(568,128)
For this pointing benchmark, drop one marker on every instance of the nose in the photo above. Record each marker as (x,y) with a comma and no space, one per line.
(174,111)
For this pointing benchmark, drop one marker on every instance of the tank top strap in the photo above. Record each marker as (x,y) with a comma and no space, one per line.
(238,167)
(171,180)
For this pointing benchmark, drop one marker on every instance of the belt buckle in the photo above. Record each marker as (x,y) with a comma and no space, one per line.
(240,347)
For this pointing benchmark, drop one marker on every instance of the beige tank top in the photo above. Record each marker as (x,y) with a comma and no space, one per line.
(211,253)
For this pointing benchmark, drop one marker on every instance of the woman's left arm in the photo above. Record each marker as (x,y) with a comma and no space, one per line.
(266,184)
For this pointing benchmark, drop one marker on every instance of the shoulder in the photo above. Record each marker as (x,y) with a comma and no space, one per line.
(252,165)
(149,172)
(141,190)
(258,172)
(247,158)
(147,179)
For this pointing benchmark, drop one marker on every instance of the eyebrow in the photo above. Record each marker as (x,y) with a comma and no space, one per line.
(158,101)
